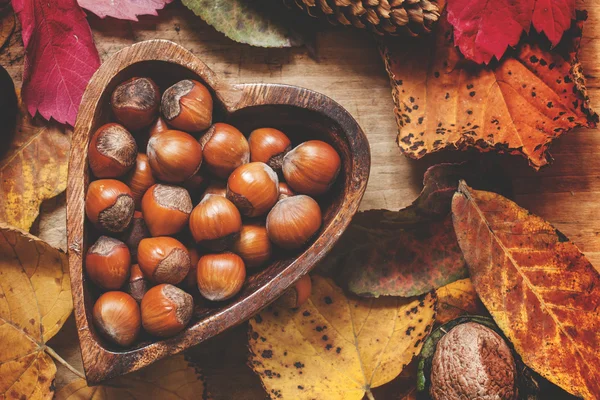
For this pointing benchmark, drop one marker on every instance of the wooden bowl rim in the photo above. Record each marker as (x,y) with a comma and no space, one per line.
(101,363)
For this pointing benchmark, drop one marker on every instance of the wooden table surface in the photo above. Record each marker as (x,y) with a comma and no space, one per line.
(350,70)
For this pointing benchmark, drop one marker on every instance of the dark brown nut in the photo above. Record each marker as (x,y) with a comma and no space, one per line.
(135,102)
(112,151)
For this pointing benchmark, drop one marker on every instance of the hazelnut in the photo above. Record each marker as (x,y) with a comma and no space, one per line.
(293,221)
(107,263)
(166,209)
(188,105)
(140,179)
(117,317)
(253,188)
(311,168)
(220,276)
(472,361)
(163,259)
(224,148)
(135,102)
(138,284)
(298,294)
(166,310)
(135,233)
(269,146)
(285,191)
(215,222)
(174,156)
(253,245)
(109,205)
(112,151)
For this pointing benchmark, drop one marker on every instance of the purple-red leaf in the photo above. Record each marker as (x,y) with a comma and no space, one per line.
(123,9)
(60,57)
(484,29)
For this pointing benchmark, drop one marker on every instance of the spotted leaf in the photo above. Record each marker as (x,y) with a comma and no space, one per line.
(517,106)
(336,346)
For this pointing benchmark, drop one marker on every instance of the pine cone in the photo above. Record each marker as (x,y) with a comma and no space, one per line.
(384,17)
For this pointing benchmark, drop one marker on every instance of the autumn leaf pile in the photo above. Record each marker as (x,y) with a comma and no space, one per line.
(500,76)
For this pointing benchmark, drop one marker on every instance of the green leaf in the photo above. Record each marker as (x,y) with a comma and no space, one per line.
(257,23)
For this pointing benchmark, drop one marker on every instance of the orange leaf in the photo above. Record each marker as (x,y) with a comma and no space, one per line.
(456,299)
(517,106)
(538,287)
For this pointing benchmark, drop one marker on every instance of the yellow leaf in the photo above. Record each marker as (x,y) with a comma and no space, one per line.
(33,169)
(456,299)
(35,301)
(337,347)
(169,379)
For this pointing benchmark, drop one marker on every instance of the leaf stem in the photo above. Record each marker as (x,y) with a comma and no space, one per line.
(370,395)
(61,360)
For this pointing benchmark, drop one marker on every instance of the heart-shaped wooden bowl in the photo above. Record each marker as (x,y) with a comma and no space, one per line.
(301,113)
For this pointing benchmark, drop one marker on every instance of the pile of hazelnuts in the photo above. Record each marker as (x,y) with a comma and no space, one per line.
(190,215)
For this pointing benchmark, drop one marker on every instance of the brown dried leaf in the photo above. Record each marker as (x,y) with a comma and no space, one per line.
(518,106)
(35,301)
(34,169)
(169,379)
(539,288)
(456,299)
(336,346)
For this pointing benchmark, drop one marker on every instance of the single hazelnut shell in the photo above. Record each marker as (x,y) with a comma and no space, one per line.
(166,310)
(285,191)
(108,262)
(140,179)
(311,168)
(269,146)
(220,276)
(138,284)
(224,148)
(253,188)
(188,105)
(112,151)
(135,102)
(215,222)
(166,209)
(134,234)
(163,259)
(109,205)
(293,221)
(253,245)
(298,294)
(174,156)
(217,188)
(117,317)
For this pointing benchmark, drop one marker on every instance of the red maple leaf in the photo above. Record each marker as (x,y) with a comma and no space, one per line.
(60,57)
(484,29)
(123,9)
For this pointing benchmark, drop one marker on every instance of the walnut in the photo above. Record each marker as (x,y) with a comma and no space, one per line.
(473,362)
